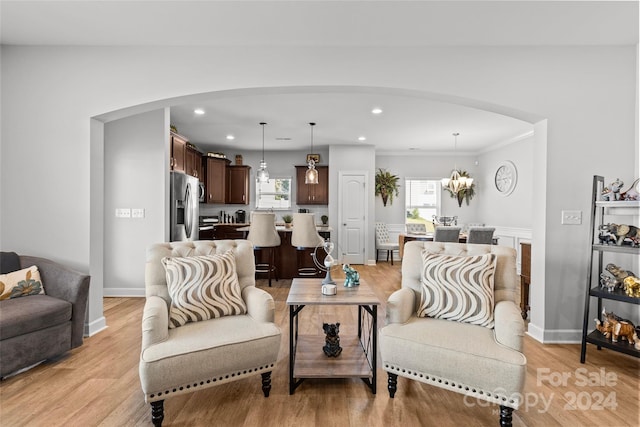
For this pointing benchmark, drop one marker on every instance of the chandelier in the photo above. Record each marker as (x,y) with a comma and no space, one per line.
(263,174)
(311,176)
(456,182)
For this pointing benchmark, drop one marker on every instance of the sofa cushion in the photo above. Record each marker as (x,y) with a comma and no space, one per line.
(461,352)
(201,350)
(21,283)
(202,288)
(458,288)
(9,261)
(20,316)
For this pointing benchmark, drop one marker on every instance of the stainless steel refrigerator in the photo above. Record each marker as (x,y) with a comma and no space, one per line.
(184,207)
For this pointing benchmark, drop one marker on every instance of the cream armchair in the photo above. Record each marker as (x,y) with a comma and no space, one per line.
(204,353)
(480,362)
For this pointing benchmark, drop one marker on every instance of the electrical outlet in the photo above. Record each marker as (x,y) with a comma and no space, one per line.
(571,217)
(123,213)
(137,213)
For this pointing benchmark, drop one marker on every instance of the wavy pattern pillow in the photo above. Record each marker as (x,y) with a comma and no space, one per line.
(458,288)
(21,283)
(202,288)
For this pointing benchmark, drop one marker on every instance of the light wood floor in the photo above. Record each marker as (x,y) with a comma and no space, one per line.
(97,384)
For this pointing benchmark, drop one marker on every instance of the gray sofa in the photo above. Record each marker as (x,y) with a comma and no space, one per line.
(38,327)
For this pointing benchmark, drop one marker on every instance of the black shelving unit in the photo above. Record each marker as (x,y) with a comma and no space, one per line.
(601,208)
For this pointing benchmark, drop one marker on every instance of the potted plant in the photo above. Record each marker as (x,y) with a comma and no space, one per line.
(465,194)
(288,219)
(386,185)
(324,219)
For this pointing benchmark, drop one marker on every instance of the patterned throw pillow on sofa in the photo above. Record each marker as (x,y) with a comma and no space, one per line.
(458,288)
(21,283)
(202,288)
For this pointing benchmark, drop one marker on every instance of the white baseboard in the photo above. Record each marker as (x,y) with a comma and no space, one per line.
(555,336)
(124,292)
(94,327)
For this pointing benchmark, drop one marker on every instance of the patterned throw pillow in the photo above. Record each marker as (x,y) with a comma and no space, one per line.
(458,288)
(202,288)
(21,283)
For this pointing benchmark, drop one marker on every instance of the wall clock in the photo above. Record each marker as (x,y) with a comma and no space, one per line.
(506,178)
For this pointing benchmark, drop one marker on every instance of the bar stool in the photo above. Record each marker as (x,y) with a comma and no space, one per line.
(305,237)
(446,234)
(264,236)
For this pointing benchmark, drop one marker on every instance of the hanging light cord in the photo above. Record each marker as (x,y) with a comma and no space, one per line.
(455,150)
(262,124)
(312,125)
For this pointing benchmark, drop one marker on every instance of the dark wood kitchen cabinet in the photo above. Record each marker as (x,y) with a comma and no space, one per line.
(312,194)
(193,161)
(216,180)
(178,152)
(238,184)
(228,231)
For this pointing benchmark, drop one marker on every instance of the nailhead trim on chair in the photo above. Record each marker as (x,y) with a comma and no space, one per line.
(186,388)
(513,402)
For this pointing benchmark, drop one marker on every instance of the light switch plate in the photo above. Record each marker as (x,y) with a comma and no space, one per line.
(123,213)
(137,213)
(571,217)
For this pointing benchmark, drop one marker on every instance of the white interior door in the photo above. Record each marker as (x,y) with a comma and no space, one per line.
(353,216)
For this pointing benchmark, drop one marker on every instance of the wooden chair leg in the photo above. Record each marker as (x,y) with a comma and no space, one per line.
(157,412)
(266,383)
(392,384)
(391,252)
(506,415)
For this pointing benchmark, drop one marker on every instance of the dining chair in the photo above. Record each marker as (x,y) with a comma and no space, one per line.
(416,228)
(383,241)
(446,234)
(481,235)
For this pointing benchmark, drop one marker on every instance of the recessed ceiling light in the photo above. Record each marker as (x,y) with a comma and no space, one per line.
(231,137)
(199,111)
(376,111)
(362,138)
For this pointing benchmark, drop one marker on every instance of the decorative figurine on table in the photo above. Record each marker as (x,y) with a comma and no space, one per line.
(621,233)
(605,235)
(633,193)
(352,277)
(608,282)
(632,286)
(612,191)
(332,340)
(616,327)
(618,272)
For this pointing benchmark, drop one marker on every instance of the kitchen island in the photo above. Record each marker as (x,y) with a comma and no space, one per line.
(286,254)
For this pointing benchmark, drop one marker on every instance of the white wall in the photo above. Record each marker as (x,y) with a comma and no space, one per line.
(420,165)
(134,176)
(49,94)
(516,209)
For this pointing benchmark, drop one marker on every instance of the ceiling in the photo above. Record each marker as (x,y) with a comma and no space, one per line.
(408,122)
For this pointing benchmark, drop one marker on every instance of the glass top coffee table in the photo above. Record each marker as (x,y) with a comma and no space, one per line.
(358,357)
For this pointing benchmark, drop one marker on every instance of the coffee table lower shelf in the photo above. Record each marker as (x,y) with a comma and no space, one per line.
(311,362)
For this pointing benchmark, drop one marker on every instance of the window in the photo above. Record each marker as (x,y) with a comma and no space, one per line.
(422,200)
(274,194)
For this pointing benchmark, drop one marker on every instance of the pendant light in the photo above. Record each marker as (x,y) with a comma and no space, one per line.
(311,176)
(263,174)
(456,183)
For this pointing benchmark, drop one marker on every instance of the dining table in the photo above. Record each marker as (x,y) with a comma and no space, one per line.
(403,238)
